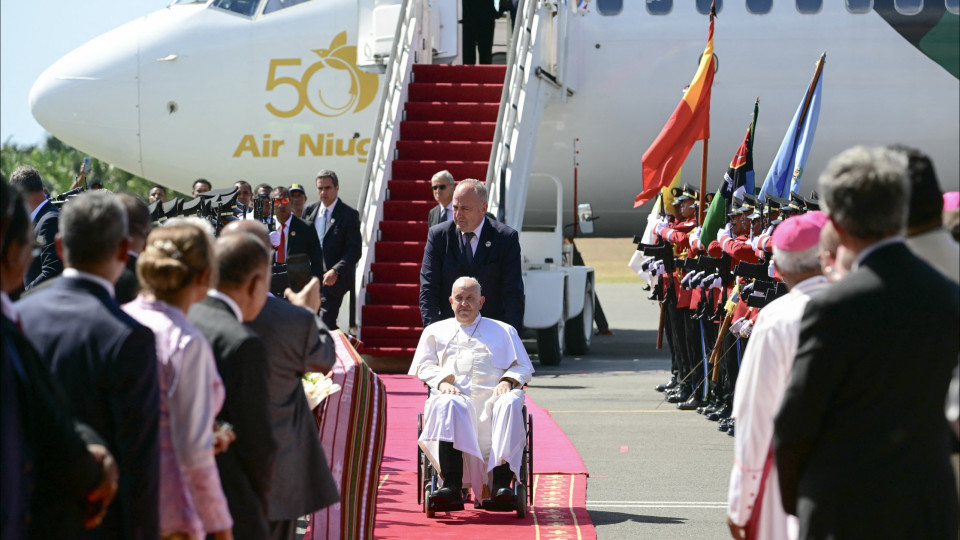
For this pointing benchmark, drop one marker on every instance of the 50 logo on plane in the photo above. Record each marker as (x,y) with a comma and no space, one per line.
(323,86)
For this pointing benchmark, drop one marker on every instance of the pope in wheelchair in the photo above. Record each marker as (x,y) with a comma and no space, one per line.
(474,430)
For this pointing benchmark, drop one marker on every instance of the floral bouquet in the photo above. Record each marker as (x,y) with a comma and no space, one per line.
(317,387)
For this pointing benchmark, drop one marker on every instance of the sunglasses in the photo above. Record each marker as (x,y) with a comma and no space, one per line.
(440,187)
(285,200)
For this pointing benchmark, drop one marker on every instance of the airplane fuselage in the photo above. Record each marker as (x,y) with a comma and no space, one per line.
(195,91)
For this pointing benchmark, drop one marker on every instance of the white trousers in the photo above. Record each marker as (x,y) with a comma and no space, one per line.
(494,435)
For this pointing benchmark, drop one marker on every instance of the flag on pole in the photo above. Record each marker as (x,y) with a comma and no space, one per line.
(737,180)
(690,122)
(787,169)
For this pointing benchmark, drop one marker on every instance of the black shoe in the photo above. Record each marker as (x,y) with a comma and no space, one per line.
(724,424)
(730,431)
(690,404)
(710,408)
(447,495)
(666,386)
(680,395)
(719,414)
(500,488)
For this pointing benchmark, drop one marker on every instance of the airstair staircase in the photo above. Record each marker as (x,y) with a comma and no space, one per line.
(435,117)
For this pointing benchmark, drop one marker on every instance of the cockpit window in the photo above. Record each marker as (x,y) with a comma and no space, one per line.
(243,7)
(189,1)
(277,5)
(609,7)
(659,7)
(703,6)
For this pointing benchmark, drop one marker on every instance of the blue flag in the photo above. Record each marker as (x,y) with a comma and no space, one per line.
(787,169)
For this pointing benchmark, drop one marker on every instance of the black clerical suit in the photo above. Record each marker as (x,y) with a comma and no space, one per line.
(245,467)
(106,364)
(496,265)
(341,251)
(297,343)
(860,452)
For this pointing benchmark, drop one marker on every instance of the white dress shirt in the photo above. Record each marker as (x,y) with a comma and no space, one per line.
(323,225)
(475,241)
(98,280)
(234,307)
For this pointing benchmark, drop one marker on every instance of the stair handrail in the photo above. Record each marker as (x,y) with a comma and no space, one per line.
(411,45)
(506,175)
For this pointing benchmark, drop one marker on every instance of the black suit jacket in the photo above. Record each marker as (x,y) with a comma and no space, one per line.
(128,284)
(302,238)
(106,363)
(433,217)
(246,466)
(297,343)
(51,470)
(341,242)
(47,264)
(860,454)
(496,265)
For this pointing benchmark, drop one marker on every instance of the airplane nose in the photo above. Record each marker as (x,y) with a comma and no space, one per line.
(90,98)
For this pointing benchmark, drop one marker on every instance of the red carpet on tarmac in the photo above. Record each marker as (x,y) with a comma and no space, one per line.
(560,481)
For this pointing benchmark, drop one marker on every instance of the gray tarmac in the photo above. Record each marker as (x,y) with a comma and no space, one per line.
(654,471)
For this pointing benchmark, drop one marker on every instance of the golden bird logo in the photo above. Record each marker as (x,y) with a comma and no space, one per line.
(330,87)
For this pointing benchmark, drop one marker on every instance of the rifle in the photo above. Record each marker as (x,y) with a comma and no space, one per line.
(764,288)
(663,252)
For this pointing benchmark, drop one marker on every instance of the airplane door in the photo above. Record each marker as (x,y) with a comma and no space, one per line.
(446,30)
(377,26)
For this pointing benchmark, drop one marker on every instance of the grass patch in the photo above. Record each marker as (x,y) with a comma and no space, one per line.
(609,258)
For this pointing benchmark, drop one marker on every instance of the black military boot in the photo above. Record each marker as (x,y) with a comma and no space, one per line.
(500,491)
(451,466)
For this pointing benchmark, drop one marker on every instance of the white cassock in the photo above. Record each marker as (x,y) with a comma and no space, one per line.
(764,373)
(489,430)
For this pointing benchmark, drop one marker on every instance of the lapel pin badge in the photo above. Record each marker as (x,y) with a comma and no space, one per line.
(487,244)
(293,233)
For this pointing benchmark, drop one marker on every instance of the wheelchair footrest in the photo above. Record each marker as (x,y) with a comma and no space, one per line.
(446,507)
(492,505)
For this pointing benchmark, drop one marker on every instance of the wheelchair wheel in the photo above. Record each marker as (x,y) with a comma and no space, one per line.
(521,501)
(426,503)
(420,459)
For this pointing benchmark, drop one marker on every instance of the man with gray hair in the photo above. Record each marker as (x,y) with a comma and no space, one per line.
(859,453)
(103,359)
(753,499)
(442,186)
(473,244)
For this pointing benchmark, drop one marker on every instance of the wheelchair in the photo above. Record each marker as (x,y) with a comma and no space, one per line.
(428,480)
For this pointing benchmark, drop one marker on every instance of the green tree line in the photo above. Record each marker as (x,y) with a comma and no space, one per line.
(59,164)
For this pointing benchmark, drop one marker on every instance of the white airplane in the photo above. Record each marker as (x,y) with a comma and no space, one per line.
(269,90)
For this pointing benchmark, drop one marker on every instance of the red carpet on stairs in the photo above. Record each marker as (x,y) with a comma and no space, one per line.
(560,482)
(448,123)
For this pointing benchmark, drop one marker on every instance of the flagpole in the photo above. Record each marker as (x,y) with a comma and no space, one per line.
(809,96)
(703,183)
(703,158)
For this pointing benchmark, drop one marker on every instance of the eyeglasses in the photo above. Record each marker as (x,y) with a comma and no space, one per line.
(441,187)
(285,200)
